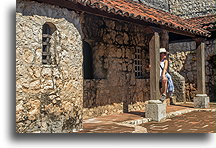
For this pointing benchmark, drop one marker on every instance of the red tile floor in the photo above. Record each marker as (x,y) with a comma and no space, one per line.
(193,122)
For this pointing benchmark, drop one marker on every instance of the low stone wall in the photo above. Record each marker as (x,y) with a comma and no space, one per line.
(179,84)
(210,56)
(49,98)
(101,98)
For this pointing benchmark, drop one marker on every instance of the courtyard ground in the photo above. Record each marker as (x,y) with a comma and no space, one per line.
(181,118)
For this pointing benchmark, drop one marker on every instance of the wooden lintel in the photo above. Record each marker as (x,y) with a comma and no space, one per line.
(151,30)
(211,30)
(199,39)
(156,29)
(180,32)
(179,41)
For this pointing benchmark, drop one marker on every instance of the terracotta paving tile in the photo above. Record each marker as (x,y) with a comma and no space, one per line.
(193,122)
(108,128)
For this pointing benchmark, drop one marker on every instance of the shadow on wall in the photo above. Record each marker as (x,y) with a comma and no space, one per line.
(210,70)
(190,73)
(120,88)
(111,85)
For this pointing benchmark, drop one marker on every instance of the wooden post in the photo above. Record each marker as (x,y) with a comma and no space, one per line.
(201,100)
(164,40)
(201,89)
(155,109)
(154,46)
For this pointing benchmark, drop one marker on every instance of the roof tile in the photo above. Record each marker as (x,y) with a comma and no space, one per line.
(205,22)
(146,13)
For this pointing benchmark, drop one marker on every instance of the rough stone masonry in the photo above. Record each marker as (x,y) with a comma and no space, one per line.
(49,98)
(114,87)
(54,98)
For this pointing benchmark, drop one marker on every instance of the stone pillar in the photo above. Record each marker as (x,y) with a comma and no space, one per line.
(201,100)
(155,109)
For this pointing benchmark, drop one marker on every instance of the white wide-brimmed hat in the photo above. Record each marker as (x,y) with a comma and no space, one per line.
(163,50)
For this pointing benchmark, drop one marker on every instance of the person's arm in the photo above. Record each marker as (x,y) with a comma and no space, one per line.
(164,69)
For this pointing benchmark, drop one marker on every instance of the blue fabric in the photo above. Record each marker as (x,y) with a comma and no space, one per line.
(170,87)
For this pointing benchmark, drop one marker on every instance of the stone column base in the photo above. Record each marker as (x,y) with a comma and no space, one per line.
(201,101)
(155,110)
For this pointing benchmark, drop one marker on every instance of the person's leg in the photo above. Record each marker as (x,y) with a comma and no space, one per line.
(170,96)
(164,89)
(164,86)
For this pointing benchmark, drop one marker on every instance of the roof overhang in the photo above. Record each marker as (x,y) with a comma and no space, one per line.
(74,5)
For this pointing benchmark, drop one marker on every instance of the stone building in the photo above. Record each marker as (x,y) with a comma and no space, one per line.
(182,52)
(183,59)
(77,59)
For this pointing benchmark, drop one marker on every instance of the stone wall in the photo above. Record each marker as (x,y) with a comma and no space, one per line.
(158,4)
(210,56)
(192,8)
(179,85)
(183,60)
(183,8)
(114,88)
(49,98)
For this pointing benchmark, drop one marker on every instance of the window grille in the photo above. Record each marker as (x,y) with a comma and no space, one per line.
(47,32)
(138,63)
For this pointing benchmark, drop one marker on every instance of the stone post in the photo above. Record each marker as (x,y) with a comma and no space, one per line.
(201,100)
(155,109)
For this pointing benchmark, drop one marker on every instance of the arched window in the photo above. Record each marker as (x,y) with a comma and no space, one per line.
(87,61)
(47,31)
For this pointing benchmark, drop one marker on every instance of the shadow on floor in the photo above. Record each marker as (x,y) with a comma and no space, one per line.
(138,113)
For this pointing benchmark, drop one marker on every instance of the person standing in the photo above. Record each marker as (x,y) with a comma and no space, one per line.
(166,83)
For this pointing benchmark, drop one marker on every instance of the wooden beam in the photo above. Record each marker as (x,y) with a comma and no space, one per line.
(180,41)
(154,46)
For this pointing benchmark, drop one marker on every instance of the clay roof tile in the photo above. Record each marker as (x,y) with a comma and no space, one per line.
(205,22)
(141,11)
